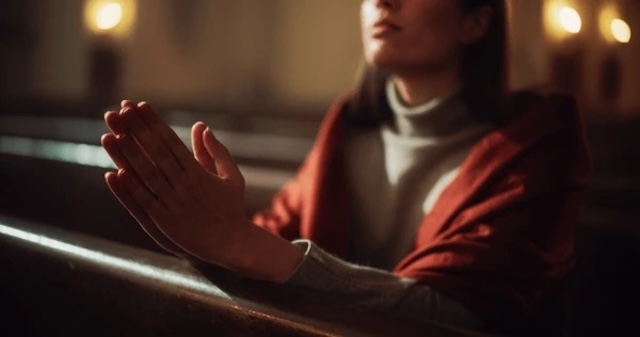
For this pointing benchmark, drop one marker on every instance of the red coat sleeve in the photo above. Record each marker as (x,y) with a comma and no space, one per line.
(283,218)
(504,232)
(299,210)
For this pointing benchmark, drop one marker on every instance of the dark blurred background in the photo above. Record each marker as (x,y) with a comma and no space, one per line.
(262,73)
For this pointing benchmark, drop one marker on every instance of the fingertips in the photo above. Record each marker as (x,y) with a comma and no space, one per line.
(114,183)
(127,103)
(209,137)
(114,122)
(209,142)
(147,113)
(134,123)
(110,116)
(200,151)
(110,176)
(127,115)
(225,163)
(108,113)
(109,142)
(145,107)
(196,139)
(117,121)
(215,148)
(107,138)
(197,129)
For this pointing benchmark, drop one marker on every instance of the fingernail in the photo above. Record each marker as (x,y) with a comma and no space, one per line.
(210,132)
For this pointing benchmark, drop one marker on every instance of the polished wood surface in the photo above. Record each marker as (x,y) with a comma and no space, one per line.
(61,282)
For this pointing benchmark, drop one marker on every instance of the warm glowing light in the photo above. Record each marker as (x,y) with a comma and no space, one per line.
(612,27)
(620,30)
(608,12)
(569,20)
(562,20)
(112,17)
(108,16)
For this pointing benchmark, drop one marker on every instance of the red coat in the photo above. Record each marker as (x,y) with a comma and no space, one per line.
(501,234)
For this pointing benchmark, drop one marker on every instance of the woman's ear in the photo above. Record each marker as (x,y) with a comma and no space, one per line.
(476,25)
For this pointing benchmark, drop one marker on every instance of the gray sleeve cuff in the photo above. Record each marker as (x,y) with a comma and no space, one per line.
(361,287)
(355,285)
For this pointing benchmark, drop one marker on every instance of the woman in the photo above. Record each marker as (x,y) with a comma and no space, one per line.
(453,201)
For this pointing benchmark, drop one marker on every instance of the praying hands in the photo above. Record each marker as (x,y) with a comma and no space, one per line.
(192,205)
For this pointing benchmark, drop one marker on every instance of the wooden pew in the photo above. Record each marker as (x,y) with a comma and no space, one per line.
(601,295)
(58,282)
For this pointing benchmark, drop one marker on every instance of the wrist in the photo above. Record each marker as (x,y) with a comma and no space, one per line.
(261,255)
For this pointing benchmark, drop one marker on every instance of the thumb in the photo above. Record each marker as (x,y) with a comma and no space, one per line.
(199,150)
(224,162)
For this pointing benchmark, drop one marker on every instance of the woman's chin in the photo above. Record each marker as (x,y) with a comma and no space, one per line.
(386,60)
(385,64)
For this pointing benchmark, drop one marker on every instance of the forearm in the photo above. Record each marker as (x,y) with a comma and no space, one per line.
(264,256)
(367,288)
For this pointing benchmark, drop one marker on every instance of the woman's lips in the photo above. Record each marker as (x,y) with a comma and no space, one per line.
(384,27)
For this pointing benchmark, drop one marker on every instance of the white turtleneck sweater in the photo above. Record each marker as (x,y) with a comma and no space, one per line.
(398,172)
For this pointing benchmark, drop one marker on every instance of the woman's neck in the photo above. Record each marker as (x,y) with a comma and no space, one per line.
(417,89)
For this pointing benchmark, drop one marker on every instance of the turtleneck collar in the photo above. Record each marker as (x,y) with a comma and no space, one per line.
(439,117)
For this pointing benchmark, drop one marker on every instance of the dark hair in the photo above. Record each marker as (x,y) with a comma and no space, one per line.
(483,70)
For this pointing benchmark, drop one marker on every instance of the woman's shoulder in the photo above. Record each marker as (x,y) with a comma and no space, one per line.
(542,107)
(543,137)
(545,120)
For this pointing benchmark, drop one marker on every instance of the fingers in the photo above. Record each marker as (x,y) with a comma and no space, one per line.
(154,135)
(167,135)
(127,103)
(225,164)
(151,158)
(115,122)
(146,158)
(199,150)
(148,173)
(110,144)
(119,188)
(154,146)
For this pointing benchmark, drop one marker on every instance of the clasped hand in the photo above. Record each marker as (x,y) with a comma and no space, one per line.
(191,205)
